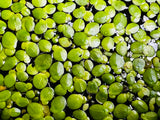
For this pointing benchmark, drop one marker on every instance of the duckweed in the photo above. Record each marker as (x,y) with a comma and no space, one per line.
(9,40)
(98,111)
(75,101)
(79,59)
(35,110)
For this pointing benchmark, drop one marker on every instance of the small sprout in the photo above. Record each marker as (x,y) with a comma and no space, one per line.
(67,65)
(137,47)
(88,64)
(93,41)
(31,70)
(155,34)
(143,92)
(140,35)
(9,52)
(2,105)
(60,7)
(121,48)
(15,96)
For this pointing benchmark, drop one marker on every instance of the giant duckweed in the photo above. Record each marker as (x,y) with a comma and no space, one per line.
(79,59)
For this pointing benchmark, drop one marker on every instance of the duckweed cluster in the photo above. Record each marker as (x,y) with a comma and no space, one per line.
(79,59)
